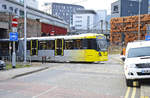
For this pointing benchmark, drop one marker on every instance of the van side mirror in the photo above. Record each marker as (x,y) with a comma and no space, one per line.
(122,57)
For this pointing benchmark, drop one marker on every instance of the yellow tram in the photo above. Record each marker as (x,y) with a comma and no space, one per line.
(70,48)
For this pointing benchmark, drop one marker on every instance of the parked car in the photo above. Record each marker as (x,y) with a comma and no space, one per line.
(2,65)
(137,62)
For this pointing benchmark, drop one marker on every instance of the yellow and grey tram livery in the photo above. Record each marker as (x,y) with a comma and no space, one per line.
(71,48)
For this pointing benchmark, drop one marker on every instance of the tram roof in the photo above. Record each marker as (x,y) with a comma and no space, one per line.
(81,36)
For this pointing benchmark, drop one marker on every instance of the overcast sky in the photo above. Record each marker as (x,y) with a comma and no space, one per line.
(88,4)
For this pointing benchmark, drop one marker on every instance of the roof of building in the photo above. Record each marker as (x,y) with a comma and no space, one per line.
(85,12)
(15,2)
(65,4)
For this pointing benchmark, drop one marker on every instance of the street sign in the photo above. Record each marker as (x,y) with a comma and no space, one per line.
(13,36)
(14,29)
(147,37)
(15,22)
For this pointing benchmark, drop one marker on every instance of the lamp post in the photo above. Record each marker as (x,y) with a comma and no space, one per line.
(25,35)
(139,20)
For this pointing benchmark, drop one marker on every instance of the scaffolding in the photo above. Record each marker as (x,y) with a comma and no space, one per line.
(125,29)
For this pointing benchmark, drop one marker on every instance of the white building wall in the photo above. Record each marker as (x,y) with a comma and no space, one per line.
(31,13)
(101,19)
(84,21)
(47,8)
(31,3)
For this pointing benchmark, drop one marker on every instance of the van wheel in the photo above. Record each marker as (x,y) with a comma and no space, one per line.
(129,83)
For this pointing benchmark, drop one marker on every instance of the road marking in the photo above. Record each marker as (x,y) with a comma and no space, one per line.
(127,93)
(133,92)
(121,63)
(44,92)
(144,97)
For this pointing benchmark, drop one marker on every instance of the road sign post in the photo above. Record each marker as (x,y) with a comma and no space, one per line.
(14,56)
(14,37)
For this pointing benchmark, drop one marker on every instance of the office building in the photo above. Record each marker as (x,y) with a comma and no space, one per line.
(84,20)
(61,10)
(123,8)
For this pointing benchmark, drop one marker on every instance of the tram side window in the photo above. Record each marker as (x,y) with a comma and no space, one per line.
(42,45)
(59,43)
(77,44)
(50,44)
(92,44)
(73,44)
(89,44)
(69,44)
(47,45)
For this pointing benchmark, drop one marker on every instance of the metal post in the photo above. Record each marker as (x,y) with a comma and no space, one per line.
(139,20)
(25,36)
(14,56)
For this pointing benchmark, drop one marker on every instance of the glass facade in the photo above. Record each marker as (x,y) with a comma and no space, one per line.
(65,11)
(148,6)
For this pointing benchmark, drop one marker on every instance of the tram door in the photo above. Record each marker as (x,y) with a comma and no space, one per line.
(34,47)
(59,51)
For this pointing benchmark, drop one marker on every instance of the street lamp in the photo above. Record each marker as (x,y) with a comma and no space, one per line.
(25,31)
(139,20)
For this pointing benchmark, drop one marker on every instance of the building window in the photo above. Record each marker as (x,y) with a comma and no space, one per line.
(11,9)
(78,25)
(78,16)
(88,22)
(21,1)
(4,7)
(21,13)
(130,4)
(16,10)
(134,0)
(79,21)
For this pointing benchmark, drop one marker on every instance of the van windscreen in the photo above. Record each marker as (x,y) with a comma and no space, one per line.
(139,52)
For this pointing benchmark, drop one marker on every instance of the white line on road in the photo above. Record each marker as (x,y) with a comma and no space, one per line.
(44,92)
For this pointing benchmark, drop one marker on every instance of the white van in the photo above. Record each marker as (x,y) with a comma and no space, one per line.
(137,61)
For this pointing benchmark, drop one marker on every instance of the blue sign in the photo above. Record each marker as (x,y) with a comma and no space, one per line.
(147,37)
(13,36)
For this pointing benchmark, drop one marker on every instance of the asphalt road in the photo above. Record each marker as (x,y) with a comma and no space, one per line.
(72,80)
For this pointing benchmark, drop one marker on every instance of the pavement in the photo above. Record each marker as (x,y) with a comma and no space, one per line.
(17,72)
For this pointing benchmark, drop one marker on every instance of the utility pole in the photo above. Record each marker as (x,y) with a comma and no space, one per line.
(25,31)
(102,26)
(139,22)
